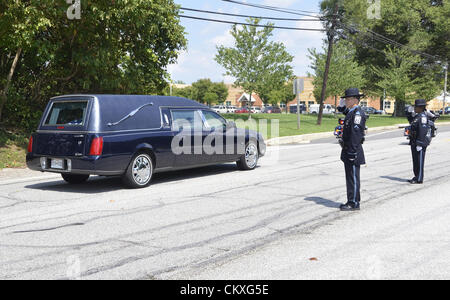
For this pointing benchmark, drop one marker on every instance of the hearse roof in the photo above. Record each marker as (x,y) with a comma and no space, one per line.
(144,99)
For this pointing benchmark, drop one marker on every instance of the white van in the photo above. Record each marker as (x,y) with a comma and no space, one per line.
(327,109)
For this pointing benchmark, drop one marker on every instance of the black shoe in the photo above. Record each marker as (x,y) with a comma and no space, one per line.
(349,206)
(414,181)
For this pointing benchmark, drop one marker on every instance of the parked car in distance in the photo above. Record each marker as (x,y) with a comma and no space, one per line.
(272,110)
(446,112)
(241,110)
(221,109)
(256,110)
(327,109)
(231,109)
(293,108)
(371,110)
(134,137)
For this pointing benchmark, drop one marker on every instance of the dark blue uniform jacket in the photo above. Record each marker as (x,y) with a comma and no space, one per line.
(419,130)
(354,130)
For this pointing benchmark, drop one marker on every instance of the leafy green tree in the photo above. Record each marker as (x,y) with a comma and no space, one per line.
(200,88)
(257,63)
(210,98)
(282,95)
(396,80)
(116,47)
(221,90)
(345,72)
(204,86)
(181,92)
(422,26)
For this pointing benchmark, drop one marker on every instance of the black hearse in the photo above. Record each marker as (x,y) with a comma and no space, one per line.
(134,137)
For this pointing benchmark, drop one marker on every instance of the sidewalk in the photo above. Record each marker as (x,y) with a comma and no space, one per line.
(306,138)
(8,175)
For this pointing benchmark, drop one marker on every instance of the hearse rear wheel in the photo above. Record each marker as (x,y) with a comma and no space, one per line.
(139,172)
(250,159)
(75,179)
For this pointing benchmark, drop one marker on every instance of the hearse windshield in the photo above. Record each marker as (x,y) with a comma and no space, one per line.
(67,113)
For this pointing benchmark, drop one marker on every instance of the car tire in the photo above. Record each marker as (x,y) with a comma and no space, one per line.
(75,179)
(139,172)
(249,160)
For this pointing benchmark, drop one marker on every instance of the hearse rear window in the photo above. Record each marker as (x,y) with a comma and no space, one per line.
(67,113)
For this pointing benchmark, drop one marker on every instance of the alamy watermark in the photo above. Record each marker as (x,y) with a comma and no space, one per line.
(74,10)
(374,10)
(193,138)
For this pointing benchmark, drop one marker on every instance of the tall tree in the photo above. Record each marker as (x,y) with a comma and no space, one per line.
(422,26)
(282,95)
(345,72)
(115,47)
(395,78)
(202,87)
(256,62)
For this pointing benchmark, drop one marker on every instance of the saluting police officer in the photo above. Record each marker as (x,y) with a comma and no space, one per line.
(420,136)
(352,151)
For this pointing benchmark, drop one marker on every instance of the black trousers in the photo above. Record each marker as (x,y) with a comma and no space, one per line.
(352,177)
(418,162)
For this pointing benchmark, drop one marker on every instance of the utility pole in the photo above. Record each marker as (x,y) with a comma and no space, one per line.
(299,86)
(331,35)
(445,87)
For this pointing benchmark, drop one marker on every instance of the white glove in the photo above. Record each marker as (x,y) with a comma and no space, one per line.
(419,148)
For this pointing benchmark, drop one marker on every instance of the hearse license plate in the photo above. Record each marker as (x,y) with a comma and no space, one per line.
(57,164)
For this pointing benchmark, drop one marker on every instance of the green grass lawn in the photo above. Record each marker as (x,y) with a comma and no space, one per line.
(13,145)
(288,123)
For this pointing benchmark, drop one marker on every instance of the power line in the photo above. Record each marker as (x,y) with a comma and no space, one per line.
(248,24)
(375,35)
(385,40)
(365,45)
(246,16)
(278,9)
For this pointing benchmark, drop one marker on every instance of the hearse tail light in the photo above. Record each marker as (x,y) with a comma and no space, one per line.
(30,145)
(96,147)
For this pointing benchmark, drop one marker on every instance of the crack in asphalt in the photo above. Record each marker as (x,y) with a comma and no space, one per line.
(374,197)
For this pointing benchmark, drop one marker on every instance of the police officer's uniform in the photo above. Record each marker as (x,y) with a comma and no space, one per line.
(420,136)
(352,151)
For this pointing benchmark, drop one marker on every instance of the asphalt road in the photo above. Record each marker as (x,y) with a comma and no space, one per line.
(280,221)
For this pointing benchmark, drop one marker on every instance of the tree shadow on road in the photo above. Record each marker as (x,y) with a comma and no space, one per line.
(394,178)
(98,184)
(323,202)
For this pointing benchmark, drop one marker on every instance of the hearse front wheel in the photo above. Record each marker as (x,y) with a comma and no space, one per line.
(139,172)
(250,159)
(75,179)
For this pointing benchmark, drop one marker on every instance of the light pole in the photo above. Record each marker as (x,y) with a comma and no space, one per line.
(445,87)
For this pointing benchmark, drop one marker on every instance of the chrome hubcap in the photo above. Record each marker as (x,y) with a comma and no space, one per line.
(142,170)
(251,155)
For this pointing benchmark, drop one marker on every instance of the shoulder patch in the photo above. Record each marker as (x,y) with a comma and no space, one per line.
(358,119)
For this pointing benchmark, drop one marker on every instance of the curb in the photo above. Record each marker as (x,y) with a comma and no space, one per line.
(305,138)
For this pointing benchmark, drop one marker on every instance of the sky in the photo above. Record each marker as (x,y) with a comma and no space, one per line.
(197,62)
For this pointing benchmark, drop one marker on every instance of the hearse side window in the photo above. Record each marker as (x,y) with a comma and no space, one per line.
(186,119)
(67,113)
(213,120)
